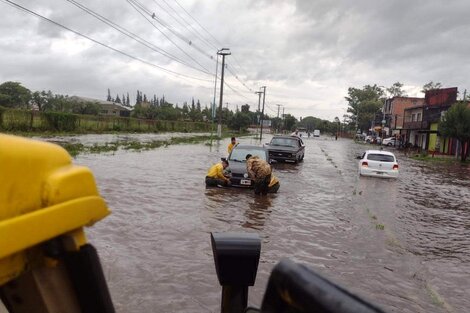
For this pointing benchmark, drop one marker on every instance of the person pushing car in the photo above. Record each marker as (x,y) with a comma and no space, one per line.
(215,176)
(260,171)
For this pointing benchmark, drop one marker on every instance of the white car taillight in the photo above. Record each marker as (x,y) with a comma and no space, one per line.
(364,164)
(395,167)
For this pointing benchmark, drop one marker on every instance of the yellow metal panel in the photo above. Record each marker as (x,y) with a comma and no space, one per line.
(24,163)
(25,231)
(42,196)
(66,183)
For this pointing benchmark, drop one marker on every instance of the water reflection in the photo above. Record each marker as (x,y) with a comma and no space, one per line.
(324,216)
(257,212)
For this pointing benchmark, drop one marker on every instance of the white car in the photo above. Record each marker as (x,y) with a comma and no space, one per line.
(391,141)
(378,163)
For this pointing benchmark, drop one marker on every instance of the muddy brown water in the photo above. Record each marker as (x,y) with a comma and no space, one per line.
(403,244)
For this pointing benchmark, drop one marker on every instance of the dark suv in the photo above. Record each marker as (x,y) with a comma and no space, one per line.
(286,148)
(237,161)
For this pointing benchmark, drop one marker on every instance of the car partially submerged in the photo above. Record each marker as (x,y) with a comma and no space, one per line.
(286,148)
(237,160)
(378,163)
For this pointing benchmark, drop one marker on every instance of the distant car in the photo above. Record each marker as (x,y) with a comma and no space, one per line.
(378,163)
(316,133)
(391,141)
(237,161)
(286,148)
(370,139)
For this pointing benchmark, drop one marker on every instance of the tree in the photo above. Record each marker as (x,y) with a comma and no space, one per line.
(289,122)
(128,102)
(431,86)
(245,108)
(84,107)
(363,104)
(239,121)
(396,90)
(456,124)
(40,100)
(13,95)
(109,96)
(118,100)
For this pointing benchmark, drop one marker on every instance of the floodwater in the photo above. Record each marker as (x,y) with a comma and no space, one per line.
(403,244)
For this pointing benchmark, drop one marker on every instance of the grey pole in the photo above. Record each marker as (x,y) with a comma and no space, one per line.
(262,114)
(223,52)
(215,86)
(259,102)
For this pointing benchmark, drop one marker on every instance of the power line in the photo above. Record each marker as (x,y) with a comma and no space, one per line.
(13,4)
(194,31)
(136,4)
(131,35)
(175,32)
(216,41)
(230,70)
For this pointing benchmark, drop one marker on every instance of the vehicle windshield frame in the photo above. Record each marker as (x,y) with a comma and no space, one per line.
(238,154)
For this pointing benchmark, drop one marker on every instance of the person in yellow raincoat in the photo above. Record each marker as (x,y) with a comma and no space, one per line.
(215,176)
(274,184)
(233,143)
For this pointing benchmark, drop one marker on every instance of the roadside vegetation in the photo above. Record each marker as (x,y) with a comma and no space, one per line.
(23,111)
(78,148)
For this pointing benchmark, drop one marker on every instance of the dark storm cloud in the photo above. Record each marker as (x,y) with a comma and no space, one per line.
(307,52)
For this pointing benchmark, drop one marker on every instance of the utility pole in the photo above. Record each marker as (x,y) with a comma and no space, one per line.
(215,87)
(278,108)
(259,102)
(283,119)
(262,114)
(223,52)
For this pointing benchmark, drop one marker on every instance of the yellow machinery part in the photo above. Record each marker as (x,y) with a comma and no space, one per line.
(42,196)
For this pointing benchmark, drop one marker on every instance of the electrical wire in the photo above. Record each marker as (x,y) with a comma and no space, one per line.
(131,35)
(13,4)
(185,24)
(136,5)
(216,41)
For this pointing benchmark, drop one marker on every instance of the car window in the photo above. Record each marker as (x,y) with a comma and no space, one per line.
(381,157)
(286,142)
(239,154)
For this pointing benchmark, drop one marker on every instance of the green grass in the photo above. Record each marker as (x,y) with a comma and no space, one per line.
(77,148)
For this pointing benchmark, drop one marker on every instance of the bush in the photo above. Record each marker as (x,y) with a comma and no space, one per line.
(61,121)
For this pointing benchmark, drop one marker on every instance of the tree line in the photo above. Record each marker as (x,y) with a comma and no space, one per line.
(14,95)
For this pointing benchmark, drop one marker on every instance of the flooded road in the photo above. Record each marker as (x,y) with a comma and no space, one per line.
(403,244)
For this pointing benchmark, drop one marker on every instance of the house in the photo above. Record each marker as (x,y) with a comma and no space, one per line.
(394,112)
(391,117)
(420,127)
(106,107)
(412,125)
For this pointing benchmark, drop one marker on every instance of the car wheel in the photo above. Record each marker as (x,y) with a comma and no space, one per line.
(389,144)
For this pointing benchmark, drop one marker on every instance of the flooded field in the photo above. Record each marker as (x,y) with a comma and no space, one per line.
(403,244)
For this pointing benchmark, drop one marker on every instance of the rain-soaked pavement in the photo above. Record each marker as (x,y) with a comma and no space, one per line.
(403,244)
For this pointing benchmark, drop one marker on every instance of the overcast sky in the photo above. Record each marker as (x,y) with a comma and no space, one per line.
(307,52)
